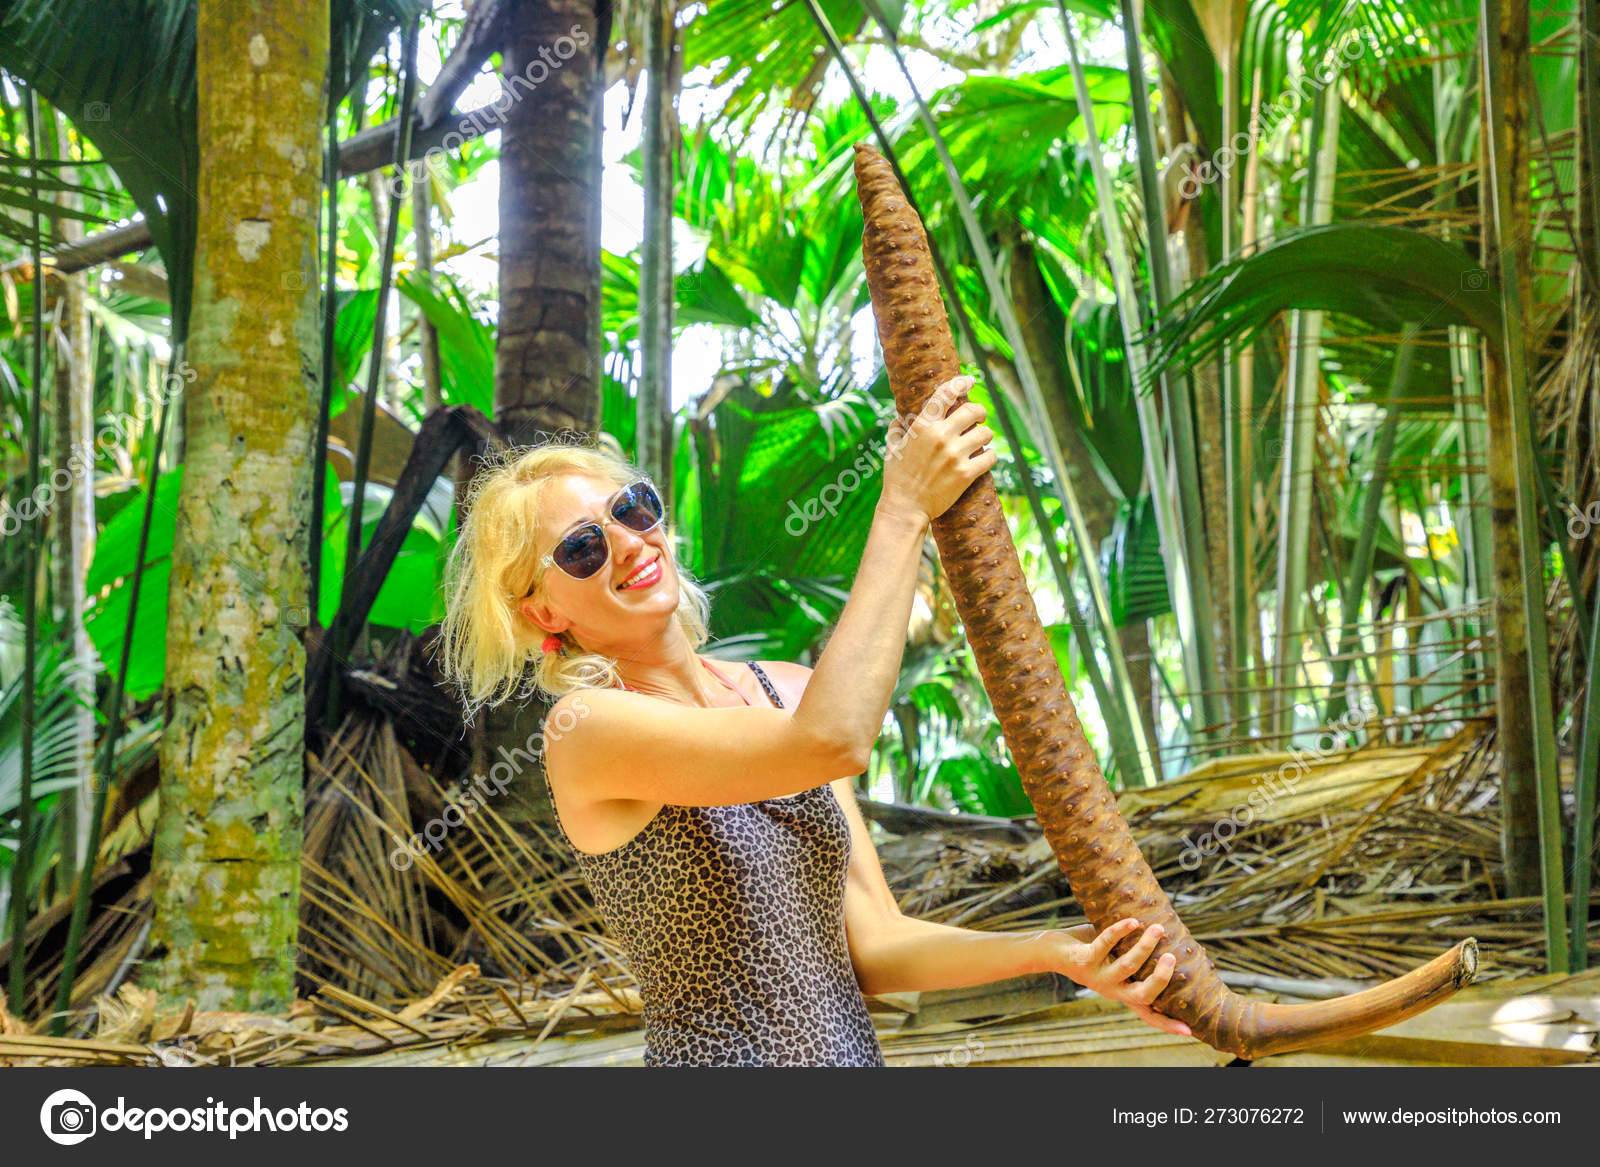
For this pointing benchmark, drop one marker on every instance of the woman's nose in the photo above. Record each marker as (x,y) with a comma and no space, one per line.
(626,538)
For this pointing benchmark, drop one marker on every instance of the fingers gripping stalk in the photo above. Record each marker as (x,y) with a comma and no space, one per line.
(1092,844)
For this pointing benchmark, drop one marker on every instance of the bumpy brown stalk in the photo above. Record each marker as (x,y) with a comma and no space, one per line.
(1075,808)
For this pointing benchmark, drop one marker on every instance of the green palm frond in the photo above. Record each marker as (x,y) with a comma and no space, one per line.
(1384,276)
(1175,33)
(55,744)
(770,50)
(1394,36)
(124,72)
(1136,576)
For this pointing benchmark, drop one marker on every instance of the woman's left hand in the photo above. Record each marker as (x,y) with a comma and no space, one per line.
(1086,957)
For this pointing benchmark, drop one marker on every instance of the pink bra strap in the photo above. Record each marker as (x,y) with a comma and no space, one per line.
(730,684)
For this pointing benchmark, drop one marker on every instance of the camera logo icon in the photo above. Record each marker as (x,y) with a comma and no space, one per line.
(68,1117)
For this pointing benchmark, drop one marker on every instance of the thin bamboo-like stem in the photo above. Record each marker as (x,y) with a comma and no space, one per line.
(74,537)
(330,319)
(1587,775)
(1442,612)
(1588,121)
(1353,592)
(654,426)
(1134,756)
(369,403)
(1162,496)
(113,720)
(427,334)
(1239,434)
(1176,392)
(1473,514)
(1162,492)
(1301,403)
(21,874)
(1585,779)
(1124,706)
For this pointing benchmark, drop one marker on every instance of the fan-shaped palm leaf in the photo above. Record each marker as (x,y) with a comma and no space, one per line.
(124,72)
(1382,275)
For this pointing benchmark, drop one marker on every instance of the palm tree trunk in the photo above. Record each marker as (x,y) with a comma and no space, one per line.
(1530,793)
(547,355)
(1519,822)
(548,370)
(226,867)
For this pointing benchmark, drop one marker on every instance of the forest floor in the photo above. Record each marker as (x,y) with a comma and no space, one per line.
(1304,876)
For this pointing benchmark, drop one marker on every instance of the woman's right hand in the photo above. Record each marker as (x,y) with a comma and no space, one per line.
(1088,961)
(932,458)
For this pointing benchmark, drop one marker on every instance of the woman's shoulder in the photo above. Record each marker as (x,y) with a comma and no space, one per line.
(572,709)
(578,703)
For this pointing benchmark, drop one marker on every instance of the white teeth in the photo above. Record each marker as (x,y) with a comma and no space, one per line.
(638,575)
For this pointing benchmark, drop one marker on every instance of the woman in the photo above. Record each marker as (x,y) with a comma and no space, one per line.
(711,806)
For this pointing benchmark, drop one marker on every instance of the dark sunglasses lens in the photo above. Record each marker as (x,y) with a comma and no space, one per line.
(582,553)
(639,507)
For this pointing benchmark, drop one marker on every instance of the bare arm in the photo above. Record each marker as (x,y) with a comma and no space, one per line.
(894,953)
(621,745)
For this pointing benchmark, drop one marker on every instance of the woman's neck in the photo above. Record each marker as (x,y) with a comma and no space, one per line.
(678,674)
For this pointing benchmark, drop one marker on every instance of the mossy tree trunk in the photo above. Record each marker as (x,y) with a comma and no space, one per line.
(227,842)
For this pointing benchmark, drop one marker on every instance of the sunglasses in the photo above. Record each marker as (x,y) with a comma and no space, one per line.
(585,549)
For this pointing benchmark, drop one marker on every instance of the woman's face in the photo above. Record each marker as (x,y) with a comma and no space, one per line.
(630,599)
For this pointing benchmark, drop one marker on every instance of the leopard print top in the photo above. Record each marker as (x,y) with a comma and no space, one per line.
(732,920)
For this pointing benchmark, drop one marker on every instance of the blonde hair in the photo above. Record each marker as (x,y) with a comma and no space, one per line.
(488,649)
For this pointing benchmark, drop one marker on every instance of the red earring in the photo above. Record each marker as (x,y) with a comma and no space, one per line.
(552,643)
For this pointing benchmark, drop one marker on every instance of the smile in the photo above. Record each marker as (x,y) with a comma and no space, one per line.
(649,574)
